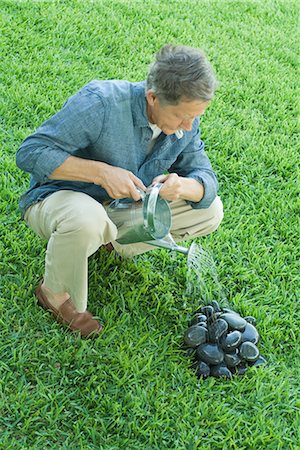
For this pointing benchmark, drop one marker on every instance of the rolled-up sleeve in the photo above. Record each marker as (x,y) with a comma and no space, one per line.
(194,163)
(40,160)
(74,128)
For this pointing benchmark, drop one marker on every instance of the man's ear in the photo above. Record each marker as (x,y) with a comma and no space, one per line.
(151,97)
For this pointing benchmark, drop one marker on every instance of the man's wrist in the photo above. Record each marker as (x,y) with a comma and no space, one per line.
(192,190)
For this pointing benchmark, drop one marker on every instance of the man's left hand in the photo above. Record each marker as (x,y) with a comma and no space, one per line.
(176,187)
(171,188)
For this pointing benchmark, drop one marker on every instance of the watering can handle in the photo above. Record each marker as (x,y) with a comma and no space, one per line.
(118,201)
(153,195)
(142,193)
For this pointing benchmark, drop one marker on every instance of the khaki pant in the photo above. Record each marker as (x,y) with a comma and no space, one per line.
(75,226)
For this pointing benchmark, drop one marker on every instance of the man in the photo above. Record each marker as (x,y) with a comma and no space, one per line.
(109,139)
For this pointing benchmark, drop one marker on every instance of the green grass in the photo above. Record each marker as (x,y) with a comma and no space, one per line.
(133,388)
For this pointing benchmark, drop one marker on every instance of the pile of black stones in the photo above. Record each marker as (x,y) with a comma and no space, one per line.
(221,342)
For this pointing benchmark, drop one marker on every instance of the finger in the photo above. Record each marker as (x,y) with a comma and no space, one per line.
(135,188)
(160,179)
(137,182)
(170,189)
(172,181)
(135,194)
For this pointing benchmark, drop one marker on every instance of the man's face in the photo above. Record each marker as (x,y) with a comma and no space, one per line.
(171,118)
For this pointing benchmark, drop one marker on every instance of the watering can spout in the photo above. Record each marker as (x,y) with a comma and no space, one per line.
(169,243)
(176,248)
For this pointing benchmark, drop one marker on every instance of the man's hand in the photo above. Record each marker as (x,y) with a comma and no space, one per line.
(119,183)
(175,188)
(172,186)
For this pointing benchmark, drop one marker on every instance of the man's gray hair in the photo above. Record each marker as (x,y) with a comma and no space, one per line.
(181,73)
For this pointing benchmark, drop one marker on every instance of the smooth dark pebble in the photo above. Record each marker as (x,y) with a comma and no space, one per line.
(250,334)
(259,362)
(232,359)
(195,335)
(217,329)
(208,310)
(216,306)
(198,318)
(219,371)
(202,369)
(250,319)
(249,351)
(231,341)
(235,321)
(210,353)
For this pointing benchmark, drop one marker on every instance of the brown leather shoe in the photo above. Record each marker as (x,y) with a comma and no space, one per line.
(68,315)
(108,247)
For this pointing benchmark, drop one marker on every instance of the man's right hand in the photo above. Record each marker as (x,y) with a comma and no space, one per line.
(118,182)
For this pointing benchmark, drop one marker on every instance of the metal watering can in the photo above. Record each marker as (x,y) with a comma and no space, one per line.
(147,220)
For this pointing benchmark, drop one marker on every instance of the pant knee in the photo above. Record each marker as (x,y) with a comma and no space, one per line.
(201,222)
(217,214)
(91,228)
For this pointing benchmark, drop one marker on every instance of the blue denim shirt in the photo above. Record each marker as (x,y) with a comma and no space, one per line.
(107,121)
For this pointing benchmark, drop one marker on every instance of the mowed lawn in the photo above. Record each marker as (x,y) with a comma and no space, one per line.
(133,388)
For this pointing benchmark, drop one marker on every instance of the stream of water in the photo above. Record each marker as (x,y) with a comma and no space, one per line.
(202,277)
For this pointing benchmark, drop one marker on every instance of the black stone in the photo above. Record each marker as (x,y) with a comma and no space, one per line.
(208,310)
(249,351)
(231,341)
(216,306)
(235,321)
(201,317)
(232,359)
(198,318)
(220,370)
(217,329)
(218,314)
(259,362)
(195,335)
(202,369)
(250,334)
(250,319)
(210,353)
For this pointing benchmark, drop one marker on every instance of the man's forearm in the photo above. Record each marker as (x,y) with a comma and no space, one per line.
(78,169)
(118,182)
(191,189)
